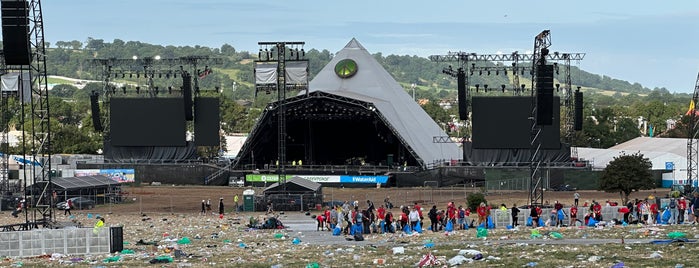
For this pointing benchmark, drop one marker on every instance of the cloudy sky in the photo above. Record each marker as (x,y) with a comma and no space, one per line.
(655,43)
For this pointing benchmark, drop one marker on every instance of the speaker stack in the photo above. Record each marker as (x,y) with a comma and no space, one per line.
(578,118)
(94,104)
(461,88)
(187,94)
(15,31)
(544,95)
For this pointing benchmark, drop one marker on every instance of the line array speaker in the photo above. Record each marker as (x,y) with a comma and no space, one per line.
(578,119)
(94,104)
(15,31)
(187,94)
(544,95)
(461,90)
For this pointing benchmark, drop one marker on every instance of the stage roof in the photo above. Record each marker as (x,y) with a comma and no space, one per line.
(373,84)
(71,183)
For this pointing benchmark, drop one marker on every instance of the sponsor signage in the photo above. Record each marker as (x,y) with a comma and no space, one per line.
(320,178)
(120,175)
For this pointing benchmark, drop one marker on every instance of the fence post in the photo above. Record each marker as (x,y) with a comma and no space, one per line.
(140,205)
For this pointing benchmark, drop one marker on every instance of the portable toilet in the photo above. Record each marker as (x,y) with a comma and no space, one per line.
(249,200)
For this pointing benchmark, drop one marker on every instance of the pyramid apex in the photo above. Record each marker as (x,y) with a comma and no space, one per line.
(354,44)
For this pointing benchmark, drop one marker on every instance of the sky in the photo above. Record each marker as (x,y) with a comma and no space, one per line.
(654,43)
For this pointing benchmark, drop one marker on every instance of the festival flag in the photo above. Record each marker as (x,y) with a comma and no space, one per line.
(691,108)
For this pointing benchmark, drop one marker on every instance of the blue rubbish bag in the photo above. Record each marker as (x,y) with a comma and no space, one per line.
(418,228)
(406,229)
(666,217)
(529,222)
(561,215)
(449,227)
(337,231)
(591,222)
(541,222)
(491,223)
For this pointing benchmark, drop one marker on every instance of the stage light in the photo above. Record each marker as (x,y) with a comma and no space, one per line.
(485,88)
(504,72)
(558,86)
(123,89)
(156,90)
(138,90)
(130,75)
(169,90)
(259,54)
(160,75)
(480,72)
(488,72)
(123,75)
(497,72)
(523,86)
(303,53)
(477,86)
(503,88)
(138,75)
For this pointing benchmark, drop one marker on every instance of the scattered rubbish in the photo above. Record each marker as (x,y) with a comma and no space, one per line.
(477,257)
(184,241)
(112,259)
(127,251)
(398,250)
(161,259)
(313,265)
(427,260)
(594,258)
(458,260)
(379,261)
(481,232)
(675,235)
(296,241)
(531,264)
(556,235)
(655,255)
(618,265)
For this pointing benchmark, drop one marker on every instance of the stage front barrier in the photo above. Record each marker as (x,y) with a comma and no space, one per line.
(68,241)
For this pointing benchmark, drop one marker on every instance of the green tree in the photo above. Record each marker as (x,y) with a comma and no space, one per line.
(626,174)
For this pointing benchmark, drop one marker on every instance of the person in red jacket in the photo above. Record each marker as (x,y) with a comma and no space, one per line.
(419,210)
(681,208)
(327,219)
(573,215)
(653,211)
(482,213)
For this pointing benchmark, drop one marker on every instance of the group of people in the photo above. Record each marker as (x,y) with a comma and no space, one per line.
(206,206)
(408,218)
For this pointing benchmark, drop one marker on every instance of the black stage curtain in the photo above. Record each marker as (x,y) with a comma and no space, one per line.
(149,154)
(513,157)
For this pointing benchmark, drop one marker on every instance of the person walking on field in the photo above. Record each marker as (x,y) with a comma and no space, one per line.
(515,211)
(203,207)
(69,206)
(576,196)
(235,200)
(220,206)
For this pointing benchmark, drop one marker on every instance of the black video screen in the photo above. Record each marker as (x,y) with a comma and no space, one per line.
(147,121)
(207,120)
(504,123)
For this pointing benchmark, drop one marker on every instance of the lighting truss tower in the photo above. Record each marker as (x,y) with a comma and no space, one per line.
(472,64)
(4,135)
(147,68)
(277,60)
(569,107)
(536,188)
(692,144)
(36,133)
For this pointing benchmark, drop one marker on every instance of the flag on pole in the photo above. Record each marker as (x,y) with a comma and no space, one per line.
(691,108)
